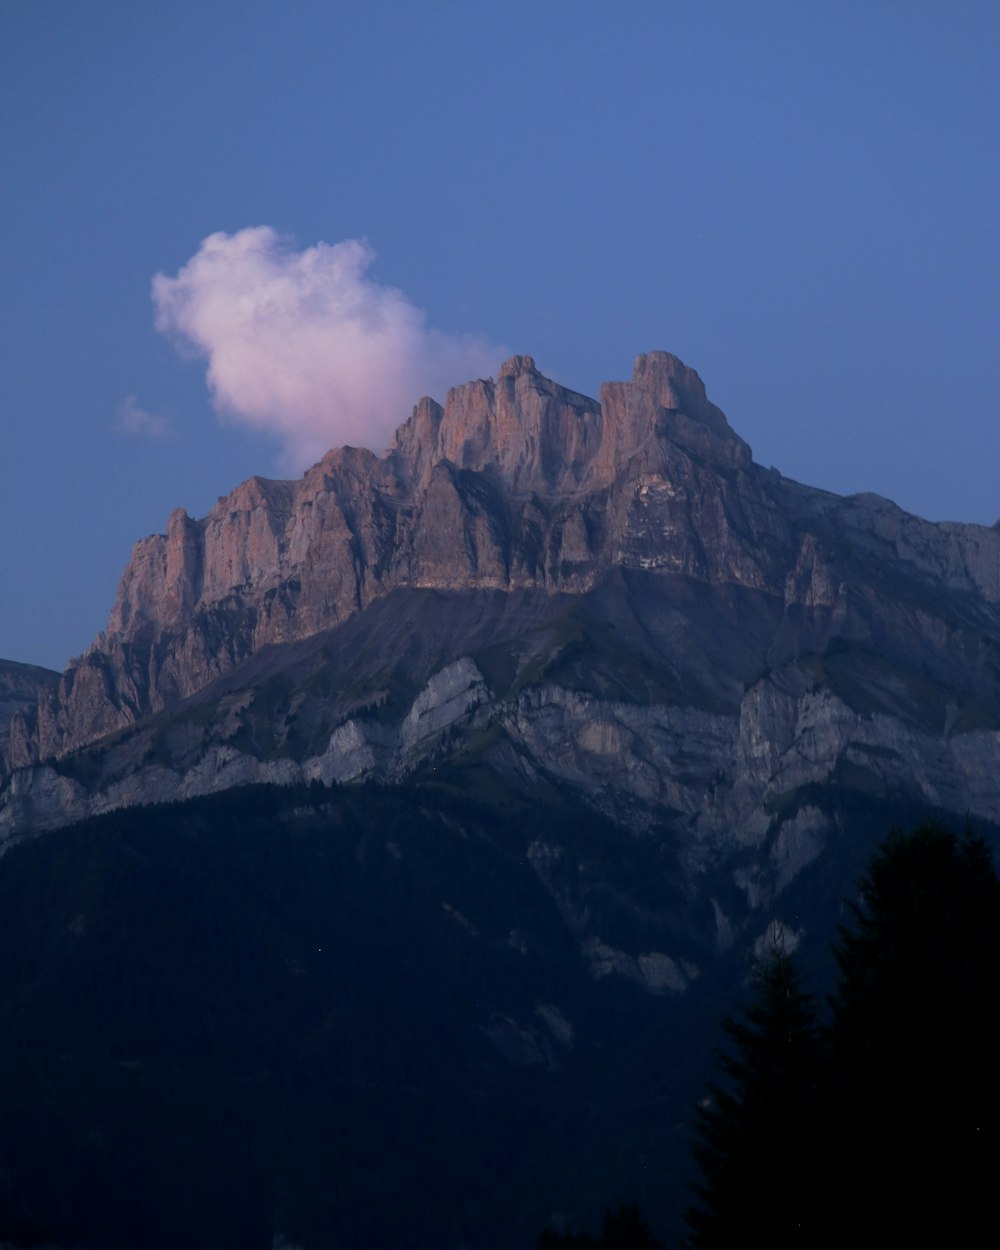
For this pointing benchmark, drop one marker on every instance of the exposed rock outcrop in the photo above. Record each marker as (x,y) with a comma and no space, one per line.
(20,688)
(620,599)
(514,483)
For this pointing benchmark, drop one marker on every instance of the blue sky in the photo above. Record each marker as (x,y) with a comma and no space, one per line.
(800,200)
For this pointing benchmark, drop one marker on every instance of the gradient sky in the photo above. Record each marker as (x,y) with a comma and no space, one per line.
(801,200)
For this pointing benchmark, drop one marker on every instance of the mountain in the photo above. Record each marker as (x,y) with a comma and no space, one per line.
(408,828)
(613,595)
(514,485)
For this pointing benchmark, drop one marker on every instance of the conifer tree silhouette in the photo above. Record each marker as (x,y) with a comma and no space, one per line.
(755,1130)
(910,1115)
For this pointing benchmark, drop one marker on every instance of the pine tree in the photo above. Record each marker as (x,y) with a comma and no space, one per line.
(911,1113)
(755,1130)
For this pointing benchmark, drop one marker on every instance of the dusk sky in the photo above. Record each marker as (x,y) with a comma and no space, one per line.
(234,234)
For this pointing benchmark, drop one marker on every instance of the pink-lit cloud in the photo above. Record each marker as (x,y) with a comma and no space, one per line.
(305,345)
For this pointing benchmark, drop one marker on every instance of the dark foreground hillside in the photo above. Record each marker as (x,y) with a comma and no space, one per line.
(353,1018)
(331,1016)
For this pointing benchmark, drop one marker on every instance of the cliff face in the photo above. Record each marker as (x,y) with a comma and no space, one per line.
(613,595)
(515,483)
(20,687)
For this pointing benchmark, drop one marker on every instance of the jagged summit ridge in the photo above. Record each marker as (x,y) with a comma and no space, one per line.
(541,437)
(514,484)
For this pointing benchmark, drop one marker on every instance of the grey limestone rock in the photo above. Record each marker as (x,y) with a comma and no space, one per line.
(610,596)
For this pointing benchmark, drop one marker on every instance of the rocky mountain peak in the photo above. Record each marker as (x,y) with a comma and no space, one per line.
(515,485)
(671,384)
(543,438)
(535,435)
(667,399)
(415,444)
(516,365)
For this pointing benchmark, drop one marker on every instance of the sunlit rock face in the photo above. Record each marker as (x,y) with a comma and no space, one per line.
(514,483)
(609,595)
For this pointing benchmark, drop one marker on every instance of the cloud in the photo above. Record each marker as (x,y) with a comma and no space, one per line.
(138,421)
(305,345)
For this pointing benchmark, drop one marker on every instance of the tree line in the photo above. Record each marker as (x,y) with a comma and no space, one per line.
(871,1120)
